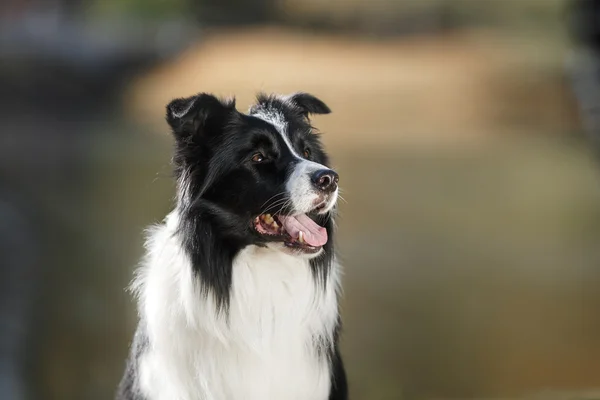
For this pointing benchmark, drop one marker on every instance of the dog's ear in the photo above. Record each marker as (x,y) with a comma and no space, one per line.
(197,114)
(309,104)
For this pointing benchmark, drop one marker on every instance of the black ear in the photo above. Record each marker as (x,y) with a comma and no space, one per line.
(186,116)
(309,104)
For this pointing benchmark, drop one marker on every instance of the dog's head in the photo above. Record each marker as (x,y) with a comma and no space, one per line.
(262,177)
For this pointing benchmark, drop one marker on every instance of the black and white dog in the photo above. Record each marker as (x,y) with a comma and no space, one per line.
(238,292)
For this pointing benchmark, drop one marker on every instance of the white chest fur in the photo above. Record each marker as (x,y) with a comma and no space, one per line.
(262,349)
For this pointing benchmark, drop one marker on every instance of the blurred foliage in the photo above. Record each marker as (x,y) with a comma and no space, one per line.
(208,12)
(401,15)
(391,16)
(142,8)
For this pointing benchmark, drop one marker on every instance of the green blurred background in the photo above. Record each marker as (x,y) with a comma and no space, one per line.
(470,235)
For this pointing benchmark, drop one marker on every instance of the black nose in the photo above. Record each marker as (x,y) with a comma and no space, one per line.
(325,180)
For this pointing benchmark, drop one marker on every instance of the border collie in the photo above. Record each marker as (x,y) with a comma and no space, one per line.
(238,291)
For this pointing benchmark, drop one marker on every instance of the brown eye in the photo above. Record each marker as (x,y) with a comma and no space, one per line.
(306,153)
(258,158)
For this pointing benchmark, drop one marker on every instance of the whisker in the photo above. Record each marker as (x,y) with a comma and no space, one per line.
(283,207)
(272,197)
(277,201)
(274,205)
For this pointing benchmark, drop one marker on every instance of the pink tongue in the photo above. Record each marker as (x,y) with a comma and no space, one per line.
(314,234)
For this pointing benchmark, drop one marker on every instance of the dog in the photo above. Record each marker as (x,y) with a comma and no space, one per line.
(238,291)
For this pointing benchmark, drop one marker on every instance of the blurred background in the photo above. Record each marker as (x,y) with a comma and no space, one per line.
(465,133)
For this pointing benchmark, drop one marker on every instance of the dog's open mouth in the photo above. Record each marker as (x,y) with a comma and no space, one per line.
(298,232)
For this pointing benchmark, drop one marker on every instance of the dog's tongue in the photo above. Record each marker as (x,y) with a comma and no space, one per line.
(314,234)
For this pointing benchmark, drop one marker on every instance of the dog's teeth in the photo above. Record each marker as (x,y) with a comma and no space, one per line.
(301,237)
(268,218)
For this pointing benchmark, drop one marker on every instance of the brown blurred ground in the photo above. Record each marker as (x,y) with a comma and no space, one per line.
(426,89)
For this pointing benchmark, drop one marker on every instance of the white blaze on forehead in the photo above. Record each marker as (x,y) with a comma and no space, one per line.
(299,184)
(275,118)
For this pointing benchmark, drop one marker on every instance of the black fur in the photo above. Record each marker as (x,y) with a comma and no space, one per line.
(309,104)
(339,384)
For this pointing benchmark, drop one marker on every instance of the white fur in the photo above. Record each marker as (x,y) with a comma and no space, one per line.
(299,185)
(262,349)
(302,191)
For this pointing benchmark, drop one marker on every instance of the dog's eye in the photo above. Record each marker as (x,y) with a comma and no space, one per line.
(258,158)
(306,153)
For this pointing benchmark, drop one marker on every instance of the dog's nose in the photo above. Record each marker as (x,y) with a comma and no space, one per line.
(325,180)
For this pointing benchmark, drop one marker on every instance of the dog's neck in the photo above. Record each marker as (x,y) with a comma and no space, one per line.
(213,238)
